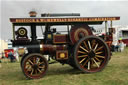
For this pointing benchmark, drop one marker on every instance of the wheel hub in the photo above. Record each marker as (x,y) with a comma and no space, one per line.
(81,35)
(91,54)
(35,66)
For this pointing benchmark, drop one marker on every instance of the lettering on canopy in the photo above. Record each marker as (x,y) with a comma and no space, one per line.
(39,20)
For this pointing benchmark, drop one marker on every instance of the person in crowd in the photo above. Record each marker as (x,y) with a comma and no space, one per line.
(0,58)
(115,43)
(11,56)
(121,46)
(16,55)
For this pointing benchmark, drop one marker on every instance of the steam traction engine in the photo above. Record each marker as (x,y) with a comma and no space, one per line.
(79,47)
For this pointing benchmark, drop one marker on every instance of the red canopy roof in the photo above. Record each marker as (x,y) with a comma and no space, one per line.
(62,20)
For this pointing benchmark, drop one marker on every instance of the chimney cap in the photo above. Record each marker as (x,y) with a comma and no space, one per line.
(32,13)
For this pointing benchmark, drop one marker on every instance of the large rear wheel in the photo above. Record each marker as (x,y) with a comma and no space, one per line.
(91,54)
(72,63)
(34,66)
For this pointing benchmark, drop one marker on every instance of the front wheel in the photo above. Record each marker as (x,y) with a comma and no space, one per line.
(91,54)
(34,66)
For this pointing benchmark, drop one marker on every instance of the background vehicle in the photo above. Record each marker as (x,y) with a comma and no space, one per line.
(7,51)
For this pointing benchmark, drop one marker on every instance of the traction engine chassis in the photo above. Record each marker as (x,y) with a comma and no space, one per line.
(79,48)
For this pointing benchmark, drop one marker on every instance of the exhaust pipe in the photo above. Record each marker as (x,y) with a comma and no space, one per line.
(59,14)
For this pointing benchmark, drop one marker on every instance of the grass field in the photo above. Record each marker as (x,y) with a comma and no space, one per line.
(116,73)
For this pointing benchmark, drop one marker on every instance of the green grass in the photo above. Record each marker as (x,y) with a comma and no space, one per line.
(116,73)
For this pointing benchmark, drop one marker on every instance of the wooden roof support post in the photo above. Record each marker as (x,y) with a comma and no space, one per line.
(68,28)
(105,30)
(111,24)
(13,30)
(106,27)
(33,32)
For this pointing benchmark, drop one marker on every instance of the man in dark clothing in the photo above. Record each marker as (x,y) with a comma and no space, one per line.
(12,58)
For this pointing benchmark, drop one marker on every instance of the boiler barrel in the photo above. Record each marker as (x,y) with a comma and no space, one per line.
(45,48)
(51,48)
(59,14)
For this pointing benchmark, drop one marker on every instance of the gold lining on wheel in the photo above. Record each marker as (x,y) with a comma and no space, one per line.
(22,32)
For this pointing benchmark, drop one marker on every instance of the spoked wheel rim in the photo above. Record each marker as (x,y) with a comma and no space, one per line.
(34,66)
(91,54)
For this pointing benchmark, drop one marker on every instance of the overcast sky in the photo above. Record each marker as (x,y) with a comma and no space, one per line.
(85,8)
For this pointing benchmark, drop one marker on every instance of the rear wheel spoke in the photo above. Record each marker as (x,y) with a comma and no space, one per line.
(81,52)
(98,53)
(89,45)
(86,45)
(97,59)
(96,47)
(85,62)
(89,65)
(100,56)
(82,60)
(82,56)
(83,49)
(93,43)
(99,48)
(96,63)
